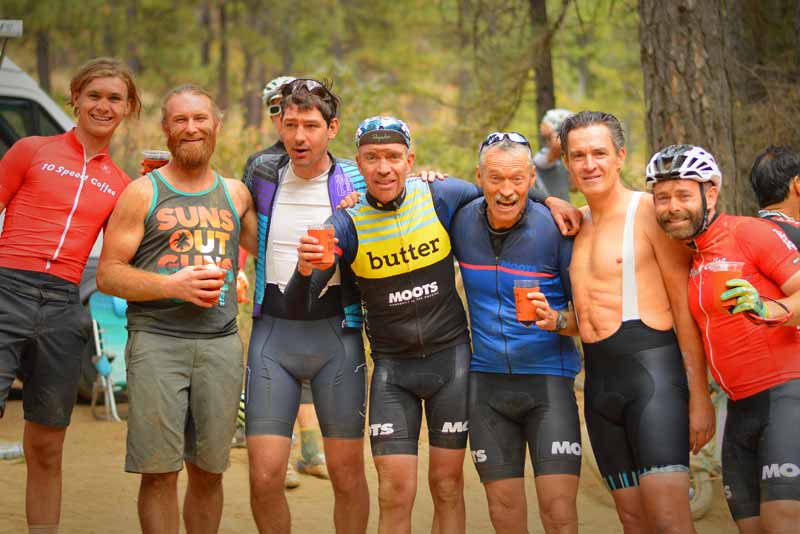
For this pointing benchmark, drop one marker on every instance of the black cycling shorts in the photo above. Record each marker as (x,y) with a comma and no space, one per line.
(395,401)
(42,337)
(506,412)
(637,404)
(282,354)
(761,449)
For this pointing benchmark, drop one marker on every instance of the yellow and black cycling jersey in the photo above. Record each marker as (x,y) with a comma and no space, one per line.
(402,259)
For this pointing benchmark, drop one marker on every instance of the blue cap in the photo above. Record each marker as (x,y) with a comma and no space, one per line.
(382,130)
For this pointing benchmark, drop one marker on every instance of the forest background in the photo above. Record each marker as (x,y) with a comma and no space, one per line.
(724,74)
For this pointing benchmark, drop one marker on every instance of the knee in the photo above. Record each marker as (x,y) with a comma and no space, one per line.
(206,482)
(266,481)
(559,512)
(44,454)
(160,483)
(396,493)
(502,508)
(346,476)
(447,489)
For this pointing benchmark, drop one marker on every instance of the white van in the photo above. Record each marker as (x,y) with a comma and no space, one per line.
(25,109)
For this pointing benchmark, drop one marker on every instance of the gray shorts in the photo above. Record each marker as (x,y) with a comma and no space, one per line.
(284,353)
(183,395)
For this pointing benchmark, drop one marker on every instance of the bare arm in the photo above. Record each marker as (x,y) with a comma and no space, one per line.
(243,201)
(792,288)
(674,261)
(115,274)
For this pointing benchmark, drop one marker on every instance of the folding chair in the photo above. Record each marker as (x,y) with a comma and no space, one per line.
(110,337)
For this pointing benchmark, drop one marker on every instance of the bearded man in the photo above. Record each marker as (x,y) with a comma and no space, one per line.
(171,250)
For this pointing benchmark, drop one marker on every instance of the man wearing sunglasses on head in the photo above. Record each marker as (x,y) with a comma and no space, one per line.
(646,396)
(398,245)
(293,190)
(312,459)
(522,375)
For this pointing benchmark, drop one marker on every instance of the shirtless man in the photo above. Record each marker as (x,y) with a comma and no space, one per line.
(629,290)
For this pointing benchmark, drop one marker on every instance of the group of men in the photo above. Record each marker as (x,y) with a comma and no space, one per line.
(627,285)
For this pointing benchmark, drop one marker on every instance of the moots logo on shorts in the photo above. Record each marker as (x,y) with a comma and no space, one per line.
(381,429)
(398,298)
(455,427)
(566,447)
(479,456)
(787,470)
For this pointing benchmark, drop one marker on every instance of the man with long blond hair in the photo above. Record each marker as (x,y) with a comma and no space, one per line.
(58,192)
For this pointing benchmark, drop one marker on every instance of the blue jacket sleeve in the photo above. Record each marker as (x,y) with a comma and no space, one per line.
(564,259)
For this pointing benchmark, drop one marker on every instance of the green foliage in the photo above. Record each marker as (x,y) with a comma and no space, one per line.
(453,69)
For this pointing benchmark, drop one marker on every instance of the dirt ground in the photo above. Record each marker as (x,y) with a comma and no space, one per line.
(100,498)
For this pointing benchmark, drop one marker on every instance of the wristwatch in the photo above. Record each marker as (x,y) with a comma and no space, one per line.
(561,321)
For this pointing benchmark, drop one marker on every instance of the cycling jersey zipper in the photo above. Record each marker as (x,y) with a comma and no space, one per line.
(707,329)
(499,310)
(68,223)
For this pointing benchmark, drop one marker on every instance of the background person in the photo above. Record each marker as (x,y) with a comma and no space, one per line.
(552,175)
(184,351)
(58,193)
(775,178)
(757,366)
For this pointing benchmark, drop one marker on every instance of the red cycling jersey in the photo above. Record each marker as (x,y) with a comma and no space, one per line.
(56,203)
(745,358)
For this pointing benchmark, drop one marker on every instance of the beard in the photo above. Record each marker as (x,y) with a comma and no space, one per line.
(685,232)
(193,155)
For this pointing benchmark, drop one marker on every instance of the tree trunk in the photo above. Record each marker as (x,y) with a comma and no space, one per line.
(687,96)
(43,58)
(222,68)
(543,58)
(134,61)
(797,38)
(254,74)
(205,44)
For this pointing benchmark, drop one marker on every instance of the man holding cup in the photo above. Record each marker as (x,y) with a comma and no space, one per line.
(397,243)
(292,191)
(523,361)
(171,250)
(745,278)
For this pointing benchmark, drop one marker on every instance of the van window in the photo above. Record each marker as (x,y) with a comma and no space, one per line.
(20,117)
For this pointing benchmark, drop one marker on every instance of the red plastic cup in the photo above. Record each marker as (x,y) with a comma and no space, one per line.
(526,311)
(324,234)
(153,159)
(720,272)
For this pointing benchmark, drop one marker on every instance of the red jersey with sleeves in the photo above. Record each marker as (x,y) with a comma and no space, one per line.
(745,358)
(56,203)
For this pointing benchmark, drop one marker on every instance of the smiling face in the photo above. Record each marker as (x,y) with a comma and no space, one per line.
(592,159)
(191,129)
(679,206)
(505,177)
(101,106)
(306,135)
(385,168)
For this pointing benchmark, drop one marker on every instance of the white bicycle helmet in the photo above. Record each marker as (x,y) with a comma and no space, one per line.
(683,162)
(273,88)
